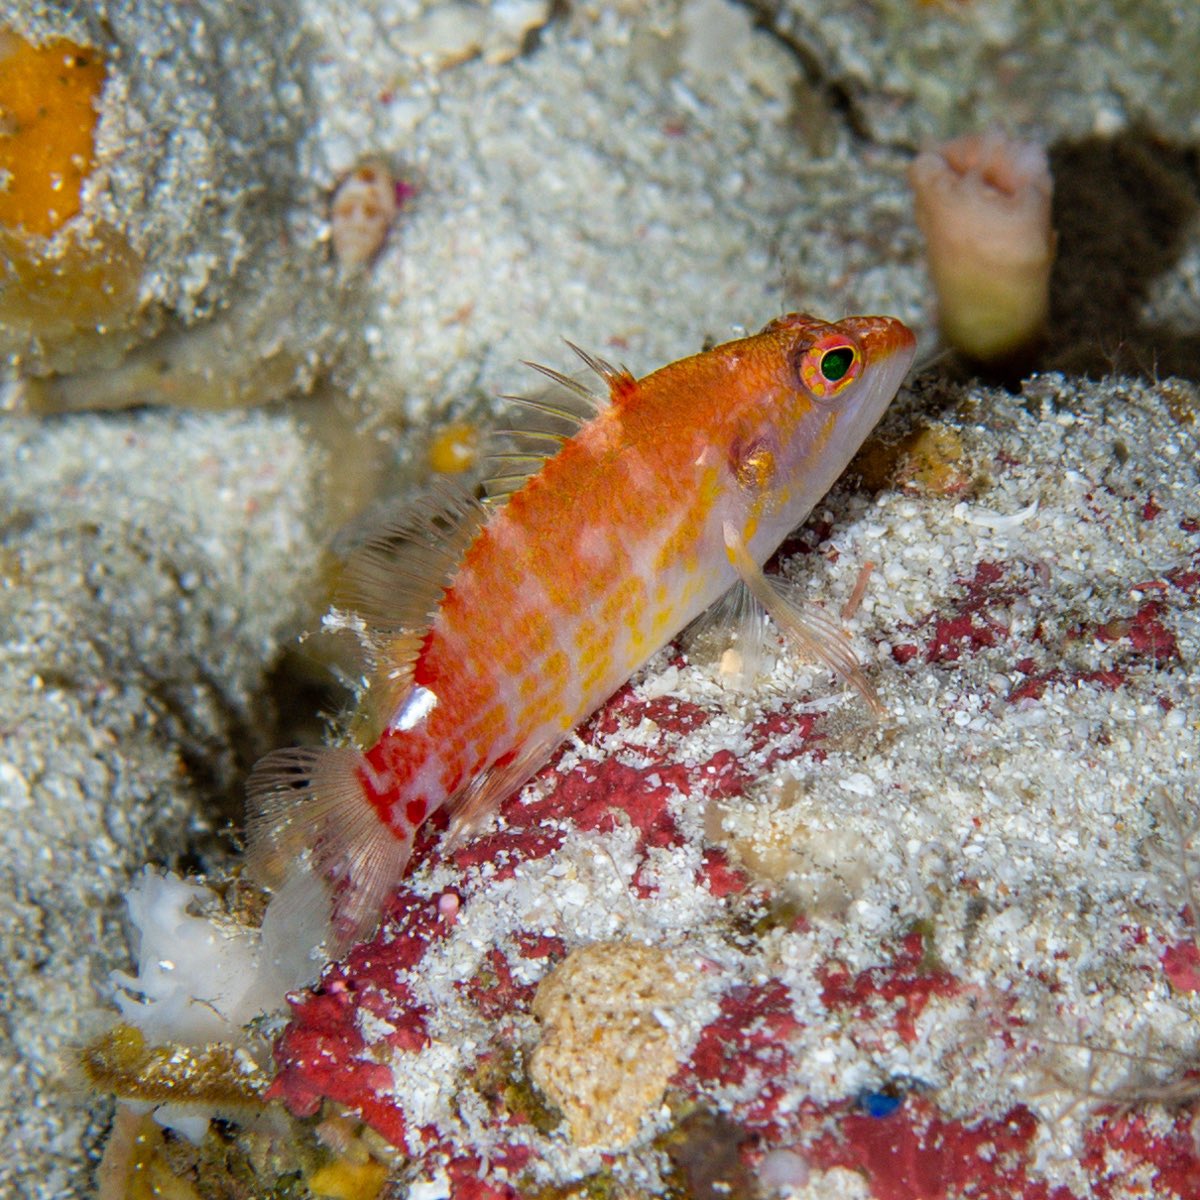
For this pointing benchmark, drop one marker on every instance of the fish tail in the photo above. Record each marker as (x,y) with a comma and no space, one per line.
(312,820)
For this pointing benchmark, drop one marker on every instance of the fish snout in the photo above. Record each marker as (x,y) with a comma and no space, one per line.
(881,337)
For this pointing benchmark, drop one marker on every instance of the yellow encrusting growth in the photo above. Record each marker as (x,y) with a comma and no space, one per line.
(454,449)
(48,116)
(122,1062)
(343,1180)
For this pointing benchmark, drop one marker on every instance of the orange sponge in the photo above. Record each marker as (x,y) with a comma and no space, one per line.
(48,115)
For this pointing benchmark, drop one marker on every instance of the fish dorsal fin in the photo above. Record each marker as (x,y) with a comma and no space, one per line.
(536,429)
(393,583)
(620,380)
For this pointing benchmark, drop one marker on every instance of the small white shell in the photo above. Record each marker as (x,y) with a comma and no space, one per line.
(363,209)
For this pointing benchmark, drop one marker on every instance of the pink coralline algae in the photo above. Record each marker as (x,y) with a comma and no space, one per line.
(971,626)
(352,1038)
(903,988)
(1181,966)
(802,1007)
(325,1054)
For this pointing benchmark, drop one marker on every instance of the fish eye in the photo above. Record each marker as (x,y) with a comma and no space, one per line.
(829,365)
(835,363)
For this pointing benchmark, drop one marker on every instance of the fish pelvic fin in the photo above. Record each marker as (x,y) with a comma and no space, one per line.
(809,629)
(315,837)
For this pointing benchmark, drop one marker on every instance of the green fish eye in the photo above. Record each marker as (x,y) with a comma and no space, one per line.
(835,363)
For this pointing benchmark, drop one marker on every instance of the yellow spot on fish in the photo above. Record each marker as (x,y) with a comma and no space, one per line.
(593,644)
(600,668)
(756,471)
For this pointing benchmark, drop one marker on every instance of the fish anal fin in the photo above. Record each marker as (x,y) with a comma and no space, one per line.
(312,831)
(810,630)
(482,796)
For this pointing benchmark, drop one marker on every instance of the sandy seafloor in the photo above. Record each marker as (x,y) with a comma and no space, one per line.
(641,178)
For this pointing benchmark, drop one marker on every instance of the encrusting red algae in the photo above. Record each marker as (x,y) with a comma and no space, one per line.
(497,626)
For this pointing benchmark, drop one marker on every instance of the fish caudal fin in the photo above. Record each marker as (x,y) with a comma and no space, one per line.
(809,629)
(309,823)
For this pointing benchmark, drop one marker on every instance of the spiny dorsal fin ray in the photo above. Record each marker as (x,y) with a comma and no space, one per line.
(515,453)
(813,632)
(620,380)
(574,387)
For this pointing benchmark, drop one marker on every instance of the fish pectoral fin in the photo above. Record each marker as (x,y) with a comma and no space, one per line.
(481,797)
(810,629)
(732,634)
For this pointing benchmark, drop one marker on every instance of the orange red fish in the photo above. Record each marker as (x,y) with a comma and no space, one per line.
(496,626)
